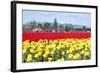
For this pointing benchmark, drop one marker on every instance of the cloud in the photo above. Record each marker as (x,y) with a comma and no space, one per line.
(61,22)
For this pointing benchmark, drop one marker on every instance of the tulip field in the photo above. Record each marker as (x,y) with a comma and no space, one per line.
(55,46)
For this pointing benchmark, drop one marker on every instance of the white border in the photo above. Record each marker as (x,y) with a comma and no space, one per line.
(21,65)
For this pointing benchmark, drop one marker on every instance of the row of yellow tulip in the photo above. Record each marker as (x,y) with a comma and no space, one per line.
(56,50)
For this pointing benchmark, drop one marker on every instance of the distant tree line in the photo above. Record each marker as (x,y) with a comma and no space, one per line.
(51,27)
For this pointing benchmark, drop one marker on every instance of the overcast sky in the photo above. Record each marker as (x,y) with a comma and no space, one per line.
(74,18)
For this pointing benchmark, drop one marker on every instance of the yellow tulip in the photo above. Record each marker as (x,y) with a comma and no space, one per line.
(29,58)
(70,56)
(24,51)
(71,48)
(47,52)
(26,44)
(62,59)
(44,55)
(87,53)
(32,51)
(39,53)
(76,56)
(49,59)
(52,52)
(59,60)
(36,55)
(62,53)
(82,52)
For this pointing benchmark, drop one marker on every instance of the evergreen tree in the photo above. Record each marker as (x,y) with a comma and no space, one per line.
(34,24)
(46,26)
(40,25)
(55,24)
